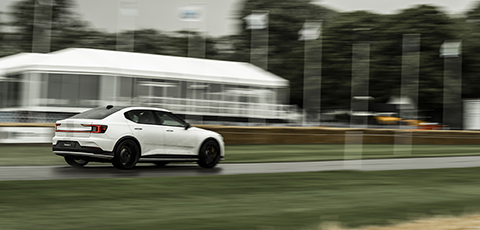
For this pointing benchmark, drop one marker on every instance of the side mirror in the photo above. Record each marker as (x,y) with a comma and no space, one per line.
(187,126)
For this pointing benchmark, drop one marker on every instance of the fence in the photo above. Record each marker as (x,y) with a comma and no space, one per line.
(279,135)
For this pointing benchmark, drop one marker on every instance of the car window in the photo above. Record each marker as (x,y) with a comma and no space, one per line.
(141,116)
(169,119)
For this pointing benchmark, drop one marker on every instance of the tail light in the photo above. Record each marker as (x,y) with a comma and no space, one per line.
(94,129)
(97,128)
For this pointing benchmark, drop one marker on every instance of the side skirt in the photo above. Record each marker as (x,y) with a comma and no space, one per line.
(169,158)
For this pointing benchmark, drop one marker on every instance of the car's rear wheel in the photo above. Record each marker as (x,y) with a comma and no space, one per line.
(75,162)
(126,155)
(209,154)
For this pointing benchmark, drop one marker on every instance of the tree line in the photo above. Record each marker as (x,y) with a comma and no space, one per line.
(286,54)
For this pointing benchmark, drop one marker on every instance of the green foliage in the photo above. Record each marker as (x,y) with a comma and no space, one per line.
(286,54)
(29,15)
(284,201)
(434,27)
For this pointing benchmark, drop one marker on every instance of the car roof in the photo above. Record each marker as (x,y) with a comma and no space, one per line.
(143,108)
(102,112)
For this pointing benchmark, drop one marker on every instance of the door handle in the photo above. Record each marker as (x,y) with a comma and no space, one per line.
(169,130)
(138,128)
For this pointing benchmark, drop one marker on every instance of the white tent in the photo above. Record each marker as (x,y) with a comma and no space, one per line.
(77,78)
(105,62)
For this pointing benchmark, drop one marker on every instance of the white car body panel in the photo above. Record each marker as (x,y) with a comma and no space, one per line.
(180,141)
(151,137)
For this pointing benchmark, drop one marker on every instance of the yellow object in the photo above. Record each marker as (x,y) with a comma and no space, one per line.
(387,120)
(413,122)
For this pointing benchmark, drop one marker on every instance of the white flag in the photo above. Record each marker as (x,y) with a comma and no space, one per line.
(451,49)
(128,8)
(190,13)
(310,31)
(257,21)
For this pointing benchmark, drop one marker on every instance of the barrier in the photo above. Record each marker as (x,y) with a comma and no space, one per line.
(42,133)
(323,135)
(26,134)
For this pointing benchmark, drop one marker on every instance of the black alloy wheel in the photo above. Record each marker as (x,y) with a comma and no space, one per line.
(75,162)
(209,154)
(126,155)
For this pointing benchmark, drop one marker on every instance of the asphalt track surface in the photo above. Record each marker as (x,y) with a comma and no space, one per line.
(11,173)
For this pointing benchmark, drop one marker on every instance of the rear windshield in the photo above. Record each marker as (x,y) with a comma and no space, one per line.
(98,113)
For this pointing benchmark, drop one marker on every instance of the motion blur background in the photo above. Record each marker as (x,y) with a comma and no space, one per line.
(412,64)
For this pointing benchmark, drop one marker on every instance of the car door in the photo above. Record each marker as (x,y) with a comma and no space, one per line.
(178,140)
(145,128)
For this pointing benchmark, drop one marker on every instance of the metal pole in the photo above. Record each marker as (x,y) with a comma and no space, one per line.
(408,91)
(259,43)
(312,73)
(42,29)
(452,93)
(360,80)
(126,25)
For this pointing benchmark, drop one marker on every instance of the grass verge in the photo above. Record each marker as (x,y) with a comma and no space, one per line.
(42,154)
(260,201)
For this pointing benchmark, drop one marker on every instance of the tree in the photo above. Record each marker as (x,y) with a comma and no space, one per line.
(434,27)
(285,51)
(44,15)
(345,30)
(471,52)
(384,33)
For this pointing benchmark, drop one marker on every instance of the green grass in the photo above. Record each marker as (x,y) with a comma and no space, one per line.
(259,201)
(42,154)
(314,152)
(28,155)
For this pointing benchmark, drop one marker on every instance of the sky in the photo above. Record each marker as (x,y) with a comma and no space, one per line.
(220,15)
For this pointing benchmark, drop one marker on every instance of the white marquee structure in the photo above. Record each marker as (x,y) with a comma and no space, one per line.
(75,79)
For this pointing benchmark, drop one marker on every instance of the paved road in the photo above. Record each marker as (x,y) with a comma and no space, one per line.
(107,171)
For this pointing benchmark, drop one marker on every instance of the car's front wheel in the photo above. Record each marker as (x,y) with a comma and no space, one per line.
(126,155)
(75,162)
(209,154)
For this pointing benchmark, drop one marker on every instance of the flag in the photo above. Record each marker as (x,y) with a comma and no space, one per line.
(192,13)
(257,21)
(451,49)
(310,31)
(128,8)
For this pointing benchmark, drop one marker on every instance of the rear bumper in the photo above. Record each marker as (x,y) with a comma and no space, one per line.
(73,148)
(80,154)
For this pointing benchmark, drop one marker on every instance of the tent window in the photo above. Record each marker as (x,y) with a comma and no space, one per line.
(73,90)
(172,88)
(11,95)
(126,88)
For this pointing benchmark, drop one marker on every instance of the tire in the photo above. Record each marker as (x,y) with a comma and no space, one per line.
(209,154)
(75,162)
(126,155)
(161,163)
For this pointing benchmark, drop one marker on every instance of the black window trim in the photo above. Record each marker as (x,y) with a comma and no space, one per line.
(176,117)
(157,120)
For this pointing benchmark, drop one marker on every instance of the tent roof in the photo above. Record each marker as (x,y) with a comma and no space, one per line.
(106,62)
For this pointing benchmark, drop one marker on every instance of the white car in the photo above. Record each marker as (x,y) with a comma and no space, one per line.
(127,135)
